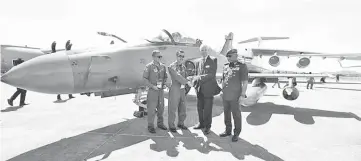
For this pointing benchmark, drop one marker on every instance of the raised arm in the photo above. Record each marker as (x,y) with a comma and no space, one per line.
(176,75)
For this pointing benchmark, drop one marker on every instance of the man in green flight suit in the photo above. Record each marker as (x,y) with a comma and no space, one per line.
(155,76)
(235,81)
(177,99)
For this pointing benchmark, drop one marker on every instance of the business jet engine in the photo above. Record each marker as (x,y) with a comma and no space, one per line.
(274,61)
(290,93)
(303,62)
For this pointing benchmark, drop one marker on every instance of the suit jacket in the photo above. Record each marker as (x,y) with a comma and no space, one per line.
(207,85)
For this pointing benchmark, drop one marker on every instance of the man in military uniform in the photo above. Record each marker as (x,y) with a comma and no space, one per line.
(206,87)
(155,76)
(20,91)
(235,80)
(177,100)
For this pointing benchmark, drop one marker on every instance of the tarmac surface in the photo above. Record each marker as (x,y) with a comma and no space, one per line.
(322,124)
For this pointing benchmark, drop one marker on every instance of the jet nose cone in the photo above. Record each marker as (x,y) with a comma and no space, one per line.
(13,76)
(46,74)
(4,78)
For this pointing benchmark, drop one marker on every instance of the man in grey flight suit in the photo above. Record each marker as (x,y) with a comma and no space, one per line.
(155,76)
(177,100)
(235,80)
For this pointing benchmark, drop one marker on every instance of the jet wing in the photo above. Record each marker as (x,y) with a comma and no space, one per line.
(271,75)
(356,56)
(270,52)
(293,53)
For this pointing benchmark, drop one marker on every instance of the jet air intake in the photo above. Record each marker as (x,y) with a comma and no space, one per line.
(303,63)
(274,61)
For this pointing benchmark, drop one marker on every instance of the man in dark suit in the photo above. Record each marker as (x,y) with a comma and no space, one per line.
(206,87)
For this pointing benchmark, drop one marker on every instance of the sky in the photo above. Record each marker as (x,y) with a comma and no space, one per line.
(330,26)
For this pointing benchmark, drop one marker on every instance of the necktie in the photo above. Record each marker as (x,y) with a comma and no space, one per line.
(202,66)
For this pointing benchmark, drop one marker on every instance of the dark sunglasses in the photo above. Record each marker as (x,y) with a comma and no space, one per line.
(159,57)
(181,56)
(228,56)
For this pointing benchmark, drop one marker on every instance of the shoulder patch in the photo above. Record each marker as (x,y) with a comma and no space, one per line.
(149,64)
(171,64)
(162,65)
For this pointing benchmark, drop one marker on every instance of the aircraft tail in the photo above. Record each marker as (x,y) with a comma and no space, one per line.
(228,44)
(260,39)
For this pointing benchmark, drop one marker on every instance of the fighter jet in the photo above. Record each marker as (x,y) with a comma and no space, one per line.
(116,70)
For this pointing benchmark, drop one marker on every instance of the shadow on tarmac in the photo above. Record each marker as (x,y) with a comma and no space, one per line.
(11,108)
(103,141)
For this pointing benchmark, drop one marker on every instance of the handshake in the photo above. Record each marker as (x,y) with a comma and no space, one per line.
(192,79)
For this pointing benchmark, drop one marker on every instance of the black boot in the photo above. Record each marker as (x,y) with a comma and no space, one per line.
(10,102)
(71,96)
(23,104)
(199,126)
(235,138)
(58,97)
(151,130)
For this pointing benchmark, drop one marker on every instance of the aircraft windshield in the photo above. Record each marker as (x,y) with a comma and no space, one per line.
(166,37)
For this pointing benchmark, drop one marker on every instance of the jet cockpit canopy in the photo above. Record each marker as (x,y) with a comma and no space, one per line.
(175,38)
